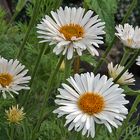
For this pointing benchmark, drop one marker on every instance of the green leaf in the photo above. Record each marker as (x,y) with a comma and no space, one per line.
(106,10)
(135,138)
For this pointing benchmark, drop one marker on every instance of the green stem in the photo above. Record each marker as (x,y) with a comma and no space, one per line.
(31,24)
(49,86)
(24,132)
(67,68)
(52,77)
(104,55)
(125,57)
(129,91)
(130,9)
(132,110)
(12,132)
(13,17)
(98,129)
(114,134)
(42,50)
(129,64)
(11,21)
(76,64)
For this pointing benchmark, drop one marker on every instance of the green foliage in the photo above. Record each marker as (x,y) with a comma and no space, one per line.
(20,5)
(51,128)
(4,105)
(45,8)
(89,59)
(132,132)
(3,23)
(106,10)
(10,40)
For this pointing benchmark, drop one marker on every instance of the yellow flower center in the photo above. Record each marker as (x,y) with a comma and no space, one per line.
(91,103)
(72,30)
(130,41)
(5,79)
(15,115)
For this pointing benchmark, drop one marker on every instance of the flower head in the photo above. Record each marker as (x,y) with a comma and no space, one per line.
(138,61)
(91,99)
(129,35)
(72,30)
(15,115)
(12,77)
(126,79)
(62,66)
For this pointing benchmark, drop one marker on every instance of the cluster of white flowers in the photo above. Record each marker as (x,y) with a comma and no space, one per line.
(88,98)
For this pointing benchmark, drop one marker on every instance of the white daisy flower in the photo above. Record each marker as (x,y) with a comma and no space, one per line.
(128,35)
(12,77)
(91,99)
(126,79)
(72,30)
(138,61)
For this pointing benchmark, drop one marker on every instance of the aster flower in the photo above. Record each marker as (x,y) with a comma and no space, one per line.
(12,77)
(72,29)
(91,99)
(15,115)
(126,79)
(129,36)
(138,61)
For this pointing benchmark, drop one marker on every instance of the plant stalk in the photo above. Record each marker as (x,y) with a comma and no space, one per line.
(129,11)
(67,68)
(129,64)
(125,57)
(12,132)
(76,64)
(49,86)
(13,17)
(42,50)
(132,110)
(31,24)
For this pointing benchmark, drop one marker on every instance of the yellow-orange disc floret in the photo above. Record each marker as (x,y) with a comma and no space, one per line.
(5,79)
(72,30)
(15,115)
(91,103)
